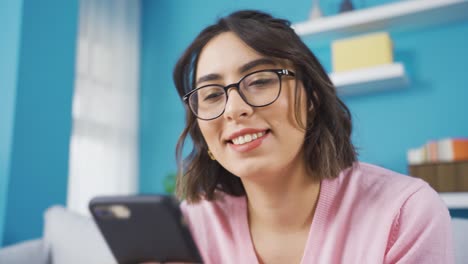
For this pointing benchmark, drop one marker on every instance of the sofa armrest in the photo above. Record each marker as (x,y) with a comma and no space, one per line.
(31,251)
(74,239)
(460,229)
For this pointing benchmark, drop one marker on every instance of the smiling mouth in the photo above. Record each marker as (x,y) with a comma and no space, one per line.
(244,139)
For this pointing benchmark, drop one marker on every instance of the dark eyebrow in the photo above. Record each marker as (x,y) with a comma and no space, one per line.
(244,68)
(250,65)
(208,77)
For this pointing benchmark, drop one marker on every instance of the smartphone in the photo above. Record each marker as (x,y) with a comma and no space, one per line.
(148,228)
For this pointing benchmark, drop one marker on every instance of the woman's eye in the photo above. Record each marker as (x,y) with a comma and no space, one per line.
(261,82)
(212,96)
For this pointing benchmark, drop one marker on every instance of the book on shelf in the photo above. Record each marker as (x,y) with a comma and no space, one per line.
(453,149)
(445,150)
(431,151)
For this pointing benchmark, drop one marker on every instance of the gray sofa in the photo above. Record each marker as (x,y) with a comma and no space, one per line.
(70,238)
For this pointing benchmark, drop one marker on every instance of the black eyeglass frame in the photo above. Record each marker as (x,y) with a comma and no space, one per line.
(279,72)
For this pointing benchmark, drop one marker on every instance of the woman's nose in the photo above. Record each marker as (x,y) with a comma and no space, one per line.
(236,107)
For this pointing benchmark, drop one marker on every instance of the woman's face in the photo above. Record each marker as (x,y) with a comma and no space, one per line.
(250,141)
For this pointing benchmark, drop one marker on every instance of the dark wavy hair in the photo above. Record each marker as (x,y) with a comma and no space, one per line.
(327,148)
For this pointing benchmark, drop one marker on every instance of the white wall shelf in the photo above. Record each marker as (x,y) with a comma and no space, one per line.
(455,200)
(383,77)
(396,17)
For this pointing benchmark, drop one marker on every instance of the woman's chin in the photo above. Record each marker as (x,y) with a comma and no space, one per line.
(253,174)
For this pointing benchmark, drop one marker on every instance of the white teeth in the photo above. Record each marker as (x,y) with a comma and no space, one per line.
(247,138)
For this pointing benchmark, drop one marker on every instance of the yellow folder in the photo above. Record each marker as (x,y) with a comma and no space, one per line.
(362,52)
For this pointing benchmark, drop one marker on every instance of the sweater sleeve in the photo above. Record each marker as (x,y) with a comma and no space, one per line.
(421,231)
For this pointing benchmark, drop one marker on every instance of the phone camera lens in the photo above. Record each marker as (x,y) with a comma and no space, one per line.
(103,212)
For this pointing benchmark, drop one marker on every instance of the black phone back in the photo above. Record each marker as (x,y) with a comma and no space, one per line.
(144,228)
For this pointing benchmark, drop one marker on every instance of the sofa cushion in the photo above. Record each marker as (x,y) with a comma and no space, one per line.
(74,239)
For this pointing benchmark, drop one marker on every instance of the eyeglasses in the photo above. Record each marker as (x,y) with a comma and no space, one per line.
(257,89)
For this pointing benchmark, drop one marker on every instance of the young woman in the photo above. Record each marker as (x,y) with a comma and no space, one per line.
(273,176)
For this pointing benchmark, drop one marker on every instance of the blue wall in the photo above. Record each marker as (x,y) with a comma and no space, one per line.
(386,123)
(433,106)
(38,160)
(10,25)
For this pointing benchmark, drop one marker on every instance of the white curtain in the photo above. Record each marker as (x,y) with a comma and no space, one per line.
(104,142)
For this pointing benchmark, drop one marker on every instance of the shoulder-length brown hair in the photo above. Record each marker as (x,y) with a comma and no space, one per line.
(327,147)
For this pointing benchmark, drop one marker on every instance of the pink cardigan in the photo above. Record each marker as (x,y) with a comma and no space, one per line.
(366,215)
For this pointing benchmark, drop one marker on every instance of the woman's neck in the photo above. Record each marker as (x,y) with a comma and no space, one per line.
(282,203)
